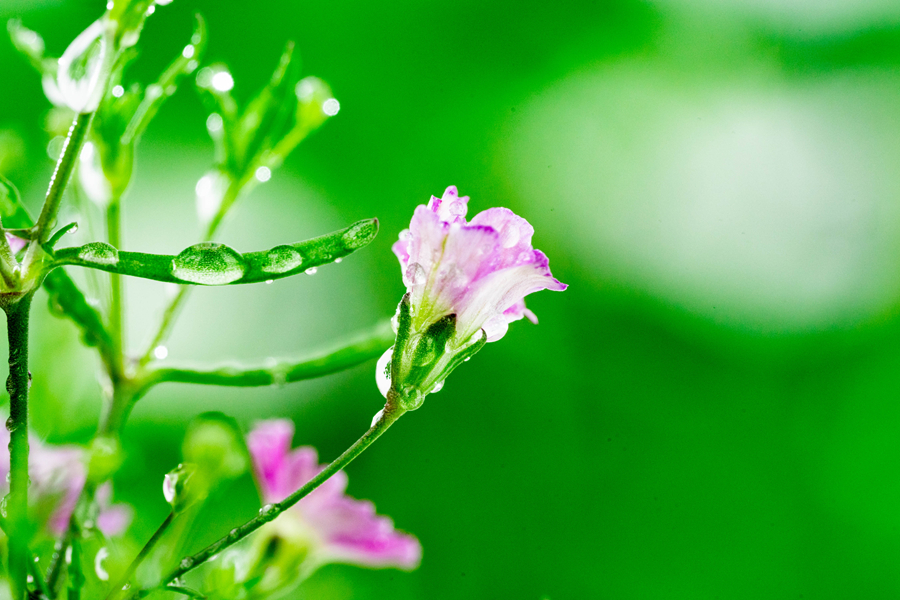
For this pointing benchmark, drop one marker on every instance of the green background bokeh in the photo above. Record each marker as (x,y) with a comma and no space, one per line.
(710,411)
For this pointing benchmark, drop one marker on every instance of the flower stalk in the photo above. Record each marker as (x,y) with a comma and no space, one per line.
(383,420)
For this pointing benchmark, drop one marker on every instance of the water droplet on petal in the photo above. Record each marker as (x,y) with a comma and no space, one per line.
(208,264)
(99,253)
(415,274)
(383,372)
(281,259)
(495,328)
(458,209)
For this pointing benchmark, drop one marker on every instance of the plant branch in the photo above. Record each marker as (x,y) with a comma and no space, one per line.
(362,347)
(269,512)
(17,384)
(116,324)
(117,590)
(64,167)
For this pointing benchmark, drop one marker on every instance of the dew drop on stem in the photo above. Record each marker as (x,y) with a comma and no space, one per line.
(208,264)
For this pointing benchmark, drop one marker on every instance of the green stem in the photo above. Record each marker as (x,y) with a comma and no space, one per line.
(17,501)
(370,344)
(76,577)
(56,563)
(64,167)
(116,326)
(269,512)
(117,590)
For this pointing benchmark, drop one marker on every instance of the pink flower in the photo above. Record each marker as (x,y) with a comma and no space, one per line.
(481,270)
(58,474)
(465,282)
(334,527)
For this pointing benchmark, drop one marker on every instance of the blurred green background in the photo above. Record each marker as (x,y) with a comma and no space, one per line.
(710,411)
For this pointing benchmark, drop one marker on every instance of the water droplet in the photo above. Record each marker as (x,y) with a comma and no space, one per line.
(311,271)
(411,398)
(383,372)
(8,476)
(29,579)
(438,386)
(268,510)
(281,259)
(338,260)
(331,107)
(126,587)
(160,352)
(214,123)
(376,417)
(37,559)
(233,533)
(270,281)
(467,359)
(208,264)
(102,553)
(110,5)
(222,81)
(3,505)
(186,563)
(73,228)
(495,328)
(118,91)
(150,10)
(414,275)
(263,174)
(526,256)
(188,51)
(279,378)
(405,235)
(11,425)
(359,234)
(509,236)
(99,253)
(458,209)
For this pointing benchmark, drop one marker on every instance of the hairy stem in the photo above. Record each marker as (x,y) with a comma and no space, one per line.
(269,512)
(17,502)
(117,591)
(64,167)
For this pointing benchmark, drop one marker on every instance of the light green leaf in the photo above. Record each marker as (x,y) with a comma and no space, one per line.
(12,211)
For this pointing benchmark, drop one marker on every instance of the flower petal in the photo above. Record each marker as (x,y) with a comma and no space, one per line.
(269,444)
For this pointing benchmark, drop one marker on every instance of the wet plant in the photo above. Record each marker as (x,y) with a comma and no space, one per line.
(465,283)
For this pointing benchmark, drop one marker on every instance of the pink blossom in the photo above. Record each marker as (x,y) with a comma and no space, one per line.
(58,475)
(336,528)
(481,270)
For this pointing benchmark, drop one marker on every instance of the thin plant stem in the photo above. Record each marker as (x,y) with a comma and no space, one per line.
(117,590)
(64,167)
(269,512)
(116,324)
(56,563)
(365,346)
(76,577)
(17,314)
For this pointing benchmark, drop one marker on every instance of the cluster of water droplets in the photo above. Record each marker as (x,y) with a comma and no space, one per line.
(208,263)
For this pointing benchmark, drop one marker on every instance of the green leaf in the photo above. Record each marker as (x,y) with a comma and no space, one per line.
(29,43)
(216,264)
(263,122)
(12,211)
(67,300)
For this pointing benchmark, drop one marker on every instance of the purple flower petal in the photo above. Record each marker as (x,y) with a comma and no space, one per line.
(340,528)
